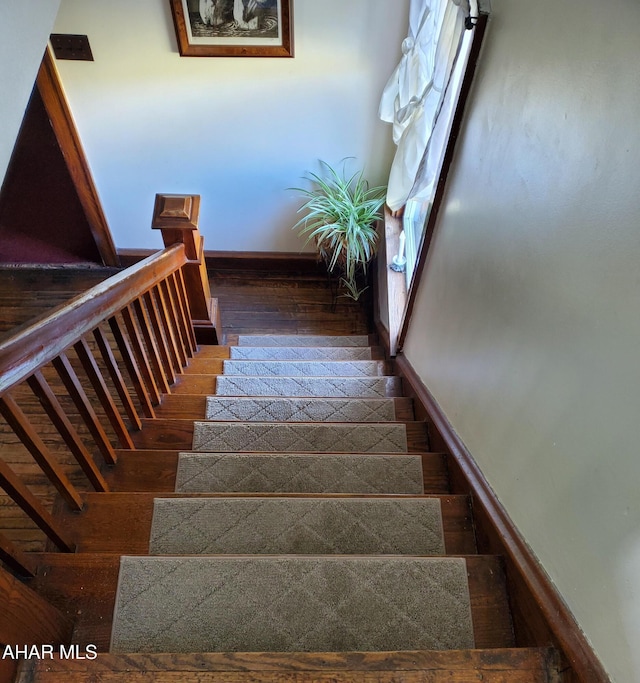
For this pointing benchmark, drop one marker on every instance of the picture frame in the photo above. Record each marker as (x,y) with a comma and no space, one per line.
(233,28)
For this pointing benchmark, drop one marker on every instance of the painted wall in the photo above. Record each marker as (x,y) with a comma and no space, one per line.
(527,324)
(20,56)
(239,132)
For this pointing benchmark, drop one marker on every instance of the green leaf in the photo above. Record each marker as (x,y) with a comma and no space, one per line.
(339,216)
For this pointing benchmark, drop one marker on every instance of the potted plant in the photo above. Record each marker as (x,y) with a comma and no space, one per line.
(340,217)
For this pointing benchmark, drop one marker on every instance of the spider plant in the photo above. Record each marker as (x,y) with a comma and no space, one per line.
(340,217)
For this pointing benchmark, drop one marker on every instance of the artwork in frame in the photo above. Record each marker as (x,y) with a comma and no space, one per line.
(234,28)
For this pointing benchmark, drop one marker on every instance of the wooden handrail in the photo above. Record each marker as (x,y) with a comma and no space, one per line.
(129,337)
(50,335)
(47,341)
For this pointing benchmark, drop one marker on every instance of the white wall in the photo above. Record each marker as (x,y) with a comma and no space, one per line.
(527,324)
(20,56)
(238,131)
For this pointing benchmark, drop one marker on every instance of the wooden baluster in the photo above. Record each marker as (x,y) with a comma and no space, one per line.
(15,559)
(176,216)
(26,501)
(180,317)
(170,335)
(28,435)
(27,618)
(66,430)
(82,403)
(159,333)
(102,392)
(148,334)
(135,340)
(184,299)
(174,323)
(116,377)
(132,368)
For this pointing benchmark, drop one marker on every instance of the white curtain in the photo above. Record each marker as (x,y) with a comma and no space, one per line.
(413,96)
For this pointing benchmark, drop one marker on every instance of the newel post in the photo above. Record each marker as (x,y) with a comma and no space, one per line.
(176,216)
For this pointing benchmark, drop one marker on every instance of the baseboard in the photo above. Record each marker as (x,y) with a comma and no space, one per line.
(540,615)
(272,261)
(383,335)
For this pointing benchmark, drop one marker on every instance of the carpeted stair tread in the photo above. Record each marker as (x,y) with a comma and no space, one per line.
(252,409)
(334,353)
(301,340)
(321,387)
(306,526)
(287,437)
(209,604)
(299,473)
(304,368)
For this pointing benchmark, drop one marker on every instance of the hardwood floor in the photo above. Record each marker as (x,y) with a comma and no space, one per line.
(297,303)
(26,293)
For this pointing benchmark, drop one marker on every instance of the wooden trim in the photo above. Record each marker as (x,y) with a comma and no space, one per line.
(540,614)
(394,284)
(64,128)
(438,200)
(273,261)
(28,619)
(15,559)
(50,335)
(213,49)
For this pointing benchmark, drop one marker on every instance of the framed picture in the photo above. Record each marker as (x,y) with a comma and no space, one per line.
(234,28)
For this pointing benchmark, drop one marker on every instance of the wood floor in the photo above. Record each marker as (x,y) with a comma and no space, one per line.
(301,303)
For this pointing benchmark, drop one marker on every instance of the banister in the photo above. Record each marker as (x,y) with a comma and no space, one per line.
(44,339)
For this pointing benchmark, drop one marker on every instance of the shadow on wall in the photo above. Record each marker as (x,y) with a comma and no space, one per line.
(41,217)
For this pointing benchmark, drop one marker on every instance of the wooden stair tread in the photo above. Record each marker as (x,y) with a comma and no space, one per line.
(121,522)
(177,434)
(193,407)
(83,586)
(514,665)
(155,470)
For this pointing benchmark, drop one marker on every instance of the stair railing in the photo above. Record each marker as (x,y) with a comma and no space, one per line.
(118,347)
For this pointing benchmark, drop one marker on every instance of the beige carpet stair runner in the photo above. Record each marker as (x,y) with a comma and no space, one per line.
(322,387)
(288,526)
(299,473)
(331,437)
(294,604)
(300,353)
(360,565)
(303,368)
(249,409)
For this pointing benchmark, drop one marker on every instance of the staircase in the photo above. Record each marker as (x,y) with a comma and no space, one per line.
(303,533)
